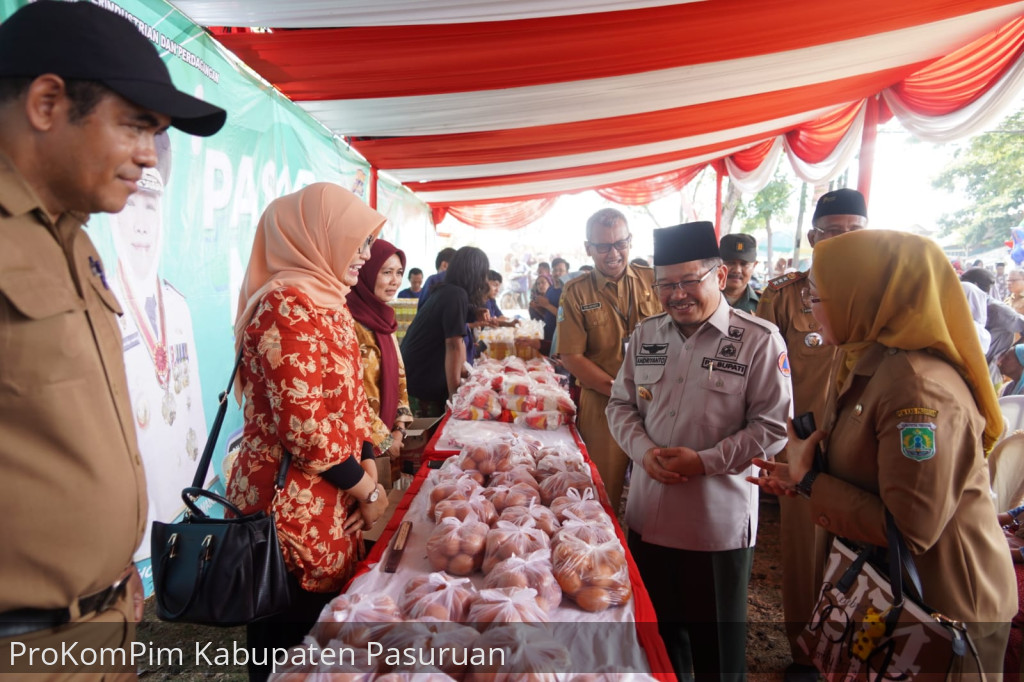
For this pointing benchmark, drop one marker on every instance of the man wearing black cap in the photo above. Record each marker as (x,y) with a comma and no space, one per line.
(739,253)
(785,302)
(703,390)
(82,96)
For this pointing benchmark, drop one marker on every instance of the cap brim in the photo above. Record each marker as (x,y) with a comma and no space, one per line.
(188,114)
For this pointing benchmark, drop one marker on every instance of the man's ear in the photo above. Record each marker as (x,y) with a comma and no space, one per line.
(45,101)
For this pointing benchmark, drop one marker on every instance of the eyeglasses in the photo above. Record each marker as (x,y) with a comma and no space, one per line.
(687,285)
(368,243)
(620,246)
(830,232)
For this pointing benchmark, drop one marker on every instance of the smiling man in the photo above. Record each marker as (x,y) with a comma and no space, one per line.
(739,253)
(596,314)
(83,96)
(703,390)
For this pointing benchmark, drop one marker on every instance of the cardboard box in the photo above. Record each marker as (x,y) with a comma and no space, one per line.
(418,434)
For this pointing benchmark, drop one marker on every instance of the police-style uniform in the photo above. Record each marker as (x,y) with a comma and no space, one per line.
(163,382)
(595,318)
(725,393)
(74,493)
(748,301)
(905,433)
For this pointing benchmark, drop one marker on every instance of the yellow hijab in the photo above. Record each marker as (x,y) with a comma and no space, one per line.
(899,290)
(306,240)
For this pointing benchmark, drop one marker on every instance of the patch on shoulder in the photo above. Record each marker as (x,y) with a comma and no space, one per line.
(917,440)
(783,362)
(786,280)
(917,412)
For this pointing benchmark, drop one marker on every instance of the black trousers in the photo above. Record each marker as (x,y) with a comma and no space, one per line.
(701,602)
(285,629)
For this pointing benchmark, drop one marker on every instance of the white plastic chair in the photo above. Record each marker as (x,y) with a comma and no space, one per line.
(1013,412)
(1006,471)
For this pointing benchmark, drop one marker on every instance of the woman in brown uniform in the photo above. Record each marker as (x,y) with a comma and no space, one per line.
(909,428)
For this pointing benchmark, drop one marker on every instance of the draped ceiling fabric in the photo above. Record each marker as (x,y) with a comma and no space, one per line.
(477,102)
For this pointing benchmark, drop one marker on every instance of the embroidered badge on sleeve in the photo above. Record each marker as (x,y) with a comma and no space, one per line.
(917,440)
(784,364)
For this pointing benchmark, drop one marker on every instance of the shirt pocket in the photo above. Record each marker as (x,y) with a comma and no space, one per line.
(43,331)
(595,318)
(724,397)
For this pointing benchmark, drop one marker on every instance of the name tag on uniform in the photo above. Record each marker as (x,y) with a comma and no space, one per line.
(652,354)
(724,366)
(590,306)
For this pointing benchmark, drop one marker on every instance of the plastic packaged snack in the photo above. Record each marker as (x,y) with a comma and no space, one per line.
(507,539)
(457,546)
(438,596)
(541,421)
(534,571)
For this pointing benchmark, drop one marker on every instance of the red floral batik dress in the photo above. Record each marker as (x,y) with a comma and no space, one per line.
(303,391)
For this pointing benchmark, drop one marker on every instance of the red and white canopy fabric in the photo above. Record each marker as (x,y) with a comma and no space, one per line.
(472,103)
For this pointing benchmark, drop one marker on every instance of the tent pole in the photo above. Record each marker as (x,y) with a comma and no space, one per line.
(719,177)
(373,187)
(867,147)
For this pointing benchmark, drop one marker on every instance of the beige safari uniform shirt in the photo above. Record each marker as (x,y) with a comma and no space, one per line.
(905,434)
(74,501)
(724,392)
(369,355)
(811,360)
(595,314)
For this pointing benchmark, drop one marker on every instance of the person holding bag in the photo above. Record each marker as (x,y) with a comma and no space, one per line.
(908,430)
(303,394)
(383,369)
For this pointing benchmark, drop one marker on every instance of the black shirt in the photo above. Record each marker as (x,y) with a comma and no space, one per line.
(441,316)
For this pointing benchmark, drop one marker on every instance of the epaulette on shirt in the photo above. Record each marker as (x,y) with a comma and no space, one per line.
(754,319)
(786,280)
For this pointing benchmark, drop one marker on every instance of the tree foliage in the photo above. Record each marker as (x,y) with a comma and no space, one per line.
(988,172)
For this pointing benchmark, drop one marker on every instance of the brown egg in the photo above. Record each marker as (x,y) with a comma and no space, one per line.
(438,561)
(592,599)
(569,581)
(461,564)
(434,610)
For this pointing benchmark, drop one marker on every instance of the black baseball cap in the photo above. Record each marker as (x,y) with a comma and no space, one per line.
(80,40)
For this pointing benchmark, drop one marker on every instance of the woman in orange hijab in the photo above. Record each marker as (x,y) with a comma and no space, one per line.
(301,382)
(909,427)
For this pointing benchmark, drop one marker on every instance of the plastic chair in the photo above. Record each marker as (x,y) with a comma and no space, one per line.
(1013,412)
(1006,471)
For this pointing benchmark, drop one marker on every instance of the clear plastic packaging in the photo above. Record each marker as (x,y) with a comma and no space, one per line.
(478,504)
(534,571)
(506,605)
(356,619)
(438,596)
(451,489)
(595,576)
(540,515)
(580,506)
(559,484)
(507,539)
(457,547)
(515,495)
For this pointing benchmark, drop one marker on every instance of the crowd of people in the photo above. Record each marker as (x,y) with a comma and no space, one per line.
(688,378)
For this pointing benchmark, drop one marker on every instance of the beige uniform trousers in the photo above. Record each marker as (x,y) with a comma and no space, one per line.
(606,454)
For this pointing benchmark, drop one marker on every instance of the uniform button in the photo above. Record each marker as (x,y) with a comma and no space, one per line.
(672,413)
(814,325)
(823,521)
(893,351)
(858,409)
(679,380)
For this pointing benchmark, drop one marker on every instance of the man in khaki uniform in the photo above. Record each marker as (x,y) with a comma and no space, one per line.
(82,96)
(597,314)
(786,303)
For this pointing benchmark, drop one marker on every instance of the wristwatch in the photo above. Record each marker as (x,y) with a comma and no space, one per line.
(372,497)
(803,488)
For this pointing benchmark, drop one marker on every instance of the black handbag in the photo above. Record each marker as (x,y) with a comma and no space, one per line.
(218,571)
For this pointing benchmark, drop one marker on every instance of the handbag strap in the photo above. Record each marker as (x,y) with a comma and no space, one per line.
(900,563)
(211,441)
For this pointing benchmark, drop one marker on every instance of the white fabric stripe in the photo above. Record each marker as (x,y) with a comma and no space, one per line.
(754,181)
(962,122)
(605,156)
(655,90)
(334,13)
(567,185)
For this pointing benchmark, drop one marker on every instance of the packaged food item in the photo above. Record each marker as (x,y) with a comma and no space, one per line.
(519,473)
(451,489)
(556,459)
(515,495)
(559,484)
(450,470)
(351,670)
(593,575)
(540,421)
(439,596)
(356,619)
(540,515)
(457,547)
(506,605)
(487,458)
(507,539)
(583,530)
(478,504)
(534,571)
(532,655)
(581,506)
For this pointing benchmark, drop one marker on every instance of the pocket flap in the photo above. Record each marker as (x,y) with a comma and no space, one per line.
(37,296)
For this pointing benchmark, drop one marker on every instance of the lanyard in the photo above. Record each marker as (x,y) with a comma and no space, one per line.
(629,311)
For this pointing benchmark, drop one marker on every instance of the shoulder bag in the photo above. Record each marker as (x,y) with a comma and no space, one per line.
(871,625)
(219,571)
